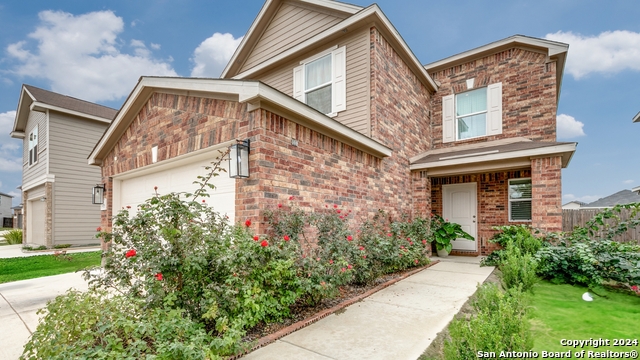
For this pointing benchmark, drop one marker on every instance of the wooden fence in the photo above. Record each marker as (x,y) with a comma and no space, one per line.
(579,217)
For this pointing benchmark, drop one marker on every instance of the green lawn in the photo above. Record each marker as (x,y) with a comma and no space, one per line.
(560,313)
(44,265)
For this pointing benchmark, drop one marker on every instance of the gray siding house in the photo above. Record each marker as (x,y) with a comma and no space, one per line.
(58,133)
(6,214)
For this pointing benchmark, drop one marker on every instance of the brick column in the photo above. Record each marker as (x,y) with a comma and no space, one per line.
(546,180)
(421,194)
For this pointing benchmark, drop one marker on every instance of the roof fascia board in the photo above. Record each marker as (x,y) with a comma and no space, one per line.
(479,167)
(260,23)
(529,153)
(37,106)
(361,17)
(553,48)
(245,91)
(20,121)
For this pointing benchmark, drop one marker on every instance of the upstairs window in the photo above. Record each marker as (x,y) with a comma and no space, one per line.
(471,114)
(520,200)
(320,81)
(33,146)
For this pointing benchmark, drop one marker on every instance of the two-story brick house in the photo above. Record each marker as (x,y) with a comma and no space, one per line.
(338,110)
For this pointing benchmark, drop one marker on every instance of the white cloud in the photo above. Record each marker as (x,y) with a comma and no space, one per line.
(568,127)
(628,182)
(610,52)
(80,56)
(155,46)
(585,198)
(212,55)
(10,148)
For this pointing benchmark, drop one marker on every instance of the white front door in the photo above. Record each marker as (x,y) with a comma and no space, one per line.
(459,205)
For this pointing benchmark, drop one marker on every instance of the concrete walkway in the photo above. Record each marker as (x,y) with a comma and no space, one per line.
(398,322)
(13,251)
(19,301)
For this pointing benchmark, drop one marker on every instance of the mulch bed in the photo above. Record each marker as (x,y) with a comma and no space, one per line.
(302,315)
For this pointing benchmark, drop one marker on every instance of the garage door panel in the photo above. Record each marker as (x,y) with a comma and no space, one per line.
(136,190)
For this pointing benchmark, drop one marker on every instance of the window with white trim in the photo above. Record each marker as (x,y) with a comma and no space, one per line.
(320,81)
(473,113)
(33,146)
(520,199)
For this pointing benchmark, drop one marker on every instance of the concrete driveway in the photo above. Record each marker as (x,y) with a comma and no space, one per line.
(19,301)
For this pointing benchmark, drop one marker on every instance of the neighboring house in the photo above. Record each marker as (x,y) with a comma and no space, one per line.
(17,216)
(619,198)
(572,205)
(338,110)
(636,190)
(58,134)
(6,214)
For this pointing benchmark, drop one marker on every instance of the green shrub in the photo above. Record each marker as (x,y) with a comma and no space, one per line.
(61,246)
(519,236)
(97,325)
(14,237)
(589,256)
(517,269)
(500,324)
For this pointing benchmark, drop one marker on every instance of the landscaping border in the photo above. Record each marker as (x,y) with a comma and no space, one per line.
(266,340)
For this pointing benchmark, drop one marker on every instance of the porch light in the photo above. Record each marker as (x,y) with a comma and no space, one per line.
(239,159)
(98,194)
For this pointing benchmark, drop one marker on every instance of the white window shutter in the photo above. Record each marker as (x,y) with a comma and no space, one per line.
(339,87)
(494,109)
(298,83)
(448,119)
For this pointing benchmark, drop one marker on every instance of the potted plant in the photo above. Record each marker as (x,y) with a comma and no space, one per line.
(444,232)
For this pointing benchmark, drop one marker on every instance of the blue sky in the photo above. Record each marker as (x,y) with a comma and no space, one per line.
(96,50)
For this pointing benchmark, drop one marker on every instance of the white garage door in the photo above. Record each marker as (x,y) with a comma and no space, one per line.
(179,178)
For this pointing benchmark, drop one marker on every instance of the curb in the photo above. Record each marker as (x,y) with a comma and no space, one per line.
(266,340)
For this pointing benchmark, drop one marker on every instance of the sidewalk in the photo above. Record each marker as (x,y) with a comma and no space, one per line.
(13,251)
(398,322)
(19,301)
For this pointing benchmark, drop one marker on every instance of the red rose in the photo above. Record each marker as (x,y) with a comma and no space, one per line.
(291,198)
(401,247)
(159,276)
(330,261)
(256,238)
(350,267)
(264,243)
(349,238)
(279,205)
(634,288)
(128,207)
(286,238)
(338,211)
(98,229)
(410,242)
(424,242)
(416,261)
(335,206)
(362,248)
(130,253)
(247,223)
(203,200)
(343,269)
(364,256)
(408,239)
(389,234)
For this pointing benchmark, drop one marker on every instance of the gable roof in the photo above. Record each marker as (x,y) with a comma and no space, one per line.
(359,17)
(620,198)
(33,98)
(3,194)
(555,50)
(255,93)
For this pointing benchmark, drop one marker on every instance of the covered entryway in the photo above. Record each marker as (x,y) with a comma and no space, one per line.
(133,188)
(459,205)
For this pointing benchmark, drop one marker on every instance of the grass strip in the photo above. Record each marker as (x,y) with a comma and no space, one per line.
(560,313)
(32,267)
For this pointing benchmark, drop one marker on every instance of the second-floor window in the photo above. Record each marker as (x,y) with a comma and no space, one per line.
(33,146)
(320,81)
(473,113)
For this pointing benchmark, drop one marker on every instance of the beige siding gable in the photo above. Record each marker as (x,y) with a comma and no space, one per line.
(292,24)
(39,169)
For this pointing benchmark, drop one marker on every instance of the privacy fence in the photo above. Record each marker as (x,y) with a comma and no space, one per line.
(579,217)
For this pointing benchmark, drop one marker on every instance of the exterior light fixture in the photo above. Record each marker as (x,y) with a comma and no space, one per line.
(98,194)
(239,159)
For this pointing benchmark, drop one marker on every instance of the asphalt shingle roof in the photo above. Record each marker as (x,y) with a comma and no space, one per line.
(71,103)
(619,198)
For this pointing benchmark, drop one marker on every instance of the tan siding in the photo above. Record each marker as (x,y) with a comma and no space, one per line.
(290,26)
(38,170)
(75,218)
(357,114)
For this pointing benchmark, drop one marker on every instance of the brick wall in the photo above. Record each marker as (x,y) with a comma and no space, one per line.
(492,195)
(528,93)
(546,177)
